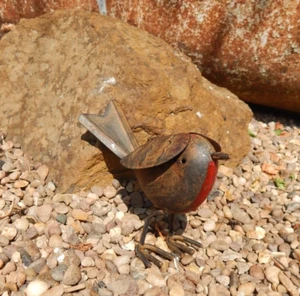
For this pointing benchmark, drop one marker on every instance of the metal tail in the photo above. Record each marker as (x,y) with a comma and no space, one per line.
(112,129)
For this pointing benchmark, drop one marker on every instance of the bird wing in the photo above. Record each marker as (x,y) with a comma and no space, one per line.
(156,151)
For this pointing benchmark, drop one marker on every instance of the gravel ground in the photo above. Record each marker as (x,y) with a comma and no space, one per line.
(83,244)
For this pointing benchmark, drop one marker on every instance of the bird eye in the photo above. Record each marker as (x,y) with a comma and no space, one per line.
(183,160)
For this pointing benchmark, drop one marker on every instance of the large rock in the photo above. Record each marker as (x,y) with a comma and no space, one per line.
(250,47)
(57,66)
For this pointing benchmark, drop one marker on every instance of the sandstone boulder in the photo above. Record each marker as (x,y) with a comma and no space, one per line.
(65,63)
(250,47)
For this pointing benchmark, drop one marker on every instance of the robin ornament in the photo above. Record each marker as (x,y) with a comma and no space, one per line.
(176,172)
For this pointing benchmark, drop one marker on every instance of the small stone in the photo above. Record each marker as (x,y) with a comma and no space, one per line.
(43,172)
(288,284)
(209,225)
(21,224)
(8,268)
(4,241)
(219,245)
(51,186)
(66,198)
(226,171)
(121,260)
(109,191)
(72,276)
(257,272)
(55,241)
(58,272)
(61,218)
(223,280)
(154,277)
(36,288)
(14,175)
(116,183)
(186,259)
(120,286)
(272,274)
(247,288)
(32,233)
(227,212)
(37,265)
(97,190)
(284,247)
(8,167)
(54,291)
(264,257)
(176,290)
(61,208)
(7,145)
(240,215)
(21,184)
(80,215)
(87,262)
(205,212)
(9,232)
(44,212)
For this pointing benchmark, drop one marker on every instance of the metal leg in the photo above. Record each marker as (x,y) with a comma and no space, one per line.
(143,251)
(173,241)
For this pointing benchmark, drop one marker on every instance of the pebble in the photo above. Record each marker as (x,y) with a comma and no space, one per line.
(74,242)
(240,215)
(110,191)
(87,262)
(154,277)
(220,245)
(44,212)
(209,225)
(72,275)
(9,232)
(8,167)
(58,272)
(247,288)
(36,288)
(43,172)
(272,274)
(55,291)
(80,215)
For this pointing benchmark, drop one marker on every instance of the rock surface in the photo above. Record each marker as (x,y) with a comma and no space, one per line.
(73,62)
(246,46)
(249,47)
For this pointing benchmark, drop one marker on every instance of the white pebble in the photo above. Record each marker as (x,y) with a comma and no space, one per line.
(21,224)
(110,191)
(120,215)
(36,288)
(209,225)
(260,232)
(9,232)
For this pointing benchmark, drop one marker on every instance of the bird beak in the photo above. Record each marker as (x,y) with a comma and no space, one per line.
(219,156)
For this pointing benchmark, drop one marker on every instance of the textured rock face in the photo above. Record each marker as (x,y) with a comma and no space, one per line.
(65,63)
(13,11)
(250,47)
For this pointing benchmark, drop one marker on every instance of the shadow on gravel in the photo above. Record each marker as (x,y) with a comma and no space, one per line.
(267,114)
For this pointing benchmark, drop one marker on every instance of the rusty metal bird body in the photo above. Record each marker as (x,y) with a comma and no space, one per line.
(176,172)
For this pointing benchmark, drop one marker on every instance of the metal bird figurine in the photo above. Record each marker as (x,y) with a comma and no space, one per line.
(176,172)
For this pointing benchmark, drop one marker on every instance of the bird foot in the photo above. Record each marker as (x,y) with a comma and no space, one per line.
(144,253)
(174,243)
